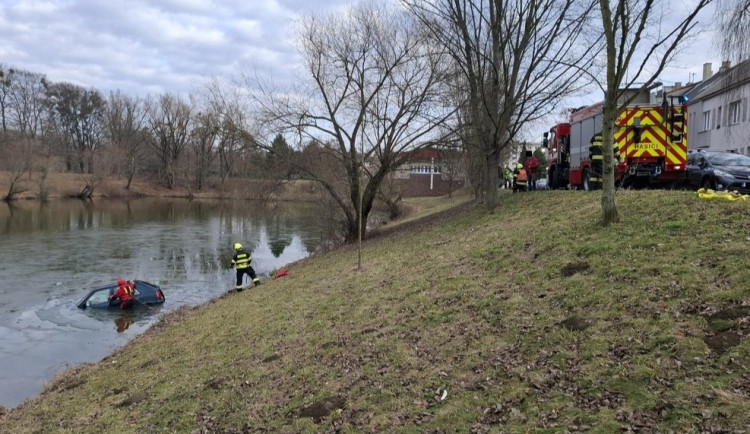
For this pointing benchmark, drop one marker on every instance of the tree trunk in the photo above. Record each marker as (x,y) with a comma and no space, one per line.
(609,208)
(131,171)
(491,182)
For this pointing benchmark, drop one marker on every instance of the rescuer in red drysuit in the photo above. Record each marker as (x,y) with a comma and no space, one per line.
(125,293)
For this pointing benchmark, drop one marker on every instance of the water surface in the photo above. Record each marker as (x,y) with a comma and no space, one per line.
(52,253)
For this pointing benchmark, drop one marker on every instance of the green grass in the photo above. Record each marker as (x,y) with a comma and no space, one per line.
(459,326)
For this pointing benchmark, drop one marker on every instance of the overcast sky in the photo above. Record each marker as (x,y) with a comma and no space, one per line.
(149,47)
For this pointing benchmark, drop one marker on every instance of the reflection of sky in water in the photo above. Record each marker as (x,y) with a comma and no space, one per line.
(52,254)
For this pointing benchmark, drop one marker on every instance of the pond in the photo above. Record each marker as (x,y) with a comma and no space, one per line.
(52,254)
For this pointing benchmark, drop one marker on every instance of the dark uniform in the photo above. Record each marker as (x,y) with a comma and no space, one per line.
(241,261)
(596,154)
(597,158)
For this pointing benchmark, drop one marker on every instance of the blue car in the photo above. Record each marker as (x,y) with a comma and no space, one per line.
(145,293)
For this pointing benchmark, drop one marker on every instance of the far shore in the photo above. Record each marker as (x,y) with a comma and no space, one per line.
(70,185)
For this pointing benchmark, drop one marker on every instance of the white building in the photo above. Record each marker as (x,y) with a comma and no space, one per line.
(718,110)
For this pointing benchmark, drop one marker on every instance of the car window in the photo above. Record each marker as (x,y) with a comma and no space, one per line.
(729,159)
(98,297)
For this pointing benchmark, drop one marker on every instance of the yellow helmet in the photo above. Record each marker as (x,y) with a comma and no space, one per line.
(519,166)
(237,246)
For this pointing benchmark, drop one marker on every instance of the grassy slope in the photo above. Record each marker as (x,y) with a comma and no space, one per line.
(530,318)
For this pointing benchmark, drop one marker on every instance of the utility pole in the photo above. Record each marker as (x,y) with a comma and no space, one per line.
(432,171)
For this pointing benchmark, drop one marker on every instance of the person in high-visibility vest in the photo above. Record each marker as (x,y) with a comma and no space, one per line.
(241,260)
(596,154)
(597,157)
(508,175)
(519,178)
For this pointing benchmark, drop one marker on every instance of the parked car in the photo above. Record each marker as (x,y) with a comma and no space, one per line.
(145,293)
(718,170)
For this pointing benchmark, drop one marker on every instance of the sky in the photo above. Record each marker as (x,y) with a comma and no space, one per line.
(144,47)
(150,46)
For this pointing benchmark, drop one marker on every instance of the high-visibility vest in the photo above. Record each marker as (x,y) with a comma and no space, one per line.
(241,260)
(522,177)
(596,152)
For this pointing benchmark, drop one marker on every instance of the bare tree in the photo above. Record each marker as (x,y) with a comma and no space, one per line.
(17,160)
(79,113)
(516,59)
(638,49)
(170,122)
(734,26)
(5,80)
(204,138)
(26,103)
(376,92)
(126,129)
(225,102)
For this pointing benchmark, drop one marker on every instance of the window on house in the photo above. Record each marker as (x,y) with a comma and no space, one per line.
(734,113)
(425,169)
(706,121)
(718,118)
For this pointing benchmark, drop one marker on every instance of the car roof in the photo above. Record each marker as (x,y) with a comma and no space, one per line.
(708,151)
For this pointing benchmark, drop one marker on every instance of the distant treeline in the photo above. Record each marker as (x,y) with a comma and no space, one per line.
(54,127)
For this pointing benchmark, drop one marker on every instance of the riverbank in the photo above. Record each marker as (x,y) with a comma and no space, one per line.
(67,185)
(532,318)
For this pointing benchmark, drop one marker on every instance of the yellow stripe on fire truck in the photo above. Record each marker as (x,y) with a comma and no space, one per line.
(655,136)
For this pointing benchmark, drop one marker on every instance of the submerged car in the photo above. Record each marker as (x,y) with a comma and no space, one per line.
(145,293)
(718,170)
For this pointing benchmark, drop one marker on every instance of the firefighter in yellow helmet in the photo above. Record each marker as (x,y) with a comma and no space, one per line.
(519,178)
(241,261)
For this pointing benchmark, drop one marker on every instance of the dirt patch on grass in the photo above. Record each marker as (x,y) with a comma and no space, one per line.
(731,313)
(422,223)
(573,268)
(133,399)
(723,341)
(576,323)
(271,358)
(320,409)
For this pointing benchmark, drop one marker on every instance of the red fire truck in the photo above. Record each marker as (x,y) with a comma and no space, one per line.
(650,144)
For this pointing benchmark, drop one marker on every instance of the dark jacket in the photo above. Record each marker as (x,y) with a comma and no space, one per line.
(241,259)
